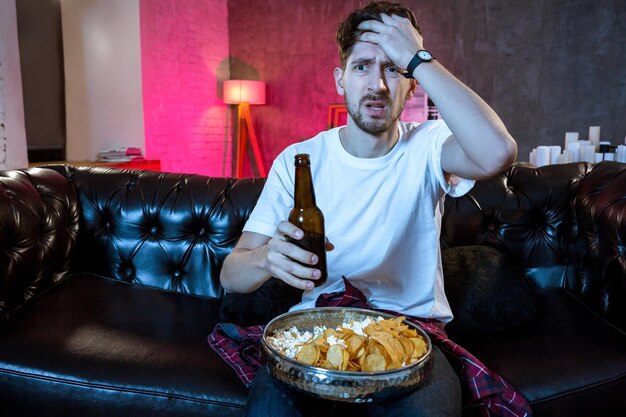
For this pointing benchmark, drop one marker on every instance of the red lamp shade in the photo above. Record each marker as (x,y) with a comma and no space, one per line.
(244,91)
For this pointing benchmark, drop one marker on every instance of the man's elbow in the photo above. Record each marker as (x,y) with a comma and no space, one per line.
(225,281)
(500,158)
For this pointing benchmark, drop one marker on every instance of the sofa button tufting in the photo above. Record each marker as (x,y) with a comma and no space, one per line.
(491,227)
(177,274)
(201,232)
(153,230)
(128,271)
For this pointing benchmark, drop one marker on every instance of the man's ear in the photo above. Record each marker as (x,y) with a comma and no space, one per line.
(412,88)
(338,74)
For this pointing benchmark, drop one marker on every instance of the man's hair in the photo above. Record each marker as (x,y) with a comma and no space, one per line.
(348,31)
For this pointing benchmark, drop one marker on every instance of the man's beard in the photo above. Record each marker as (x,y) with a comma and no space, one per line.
(373,126)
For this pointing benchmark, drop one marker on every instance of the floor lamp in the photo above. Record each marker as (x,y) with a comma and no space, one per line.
(243,93)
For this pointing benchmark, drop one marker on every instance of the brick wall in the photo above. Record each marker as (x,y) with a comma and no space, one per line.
(297,61)
(184,54)
(3,119)
(12,132)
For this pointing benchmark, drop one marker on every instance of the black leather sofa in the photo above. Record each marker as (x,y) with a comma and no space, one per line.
(109,287)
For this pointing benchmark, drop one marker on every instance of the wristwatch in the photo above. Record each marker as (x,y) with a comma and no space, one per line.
(421,56)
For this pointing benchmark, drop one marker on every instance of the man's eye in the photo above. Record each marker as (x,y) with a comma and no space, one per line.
(392,71)
(360,67)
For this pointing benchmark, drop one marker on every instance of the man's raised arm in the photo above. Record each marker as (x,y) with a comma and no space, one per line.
(481,146)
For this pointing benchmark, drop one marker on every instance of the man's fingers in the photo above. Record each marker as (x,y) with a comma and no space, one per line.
(370,37)
(288,230)
(394,19)
(283,271)
(390,19)
(303,284)
(288,262)
(373,26)
(291,272)
(288,249)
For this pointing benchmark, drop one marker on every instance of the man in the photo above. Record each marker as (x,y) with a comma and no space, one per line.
(380,184)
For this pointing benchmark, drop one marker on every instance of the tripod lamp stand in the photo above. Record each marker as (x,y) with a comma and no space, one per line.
(243,93)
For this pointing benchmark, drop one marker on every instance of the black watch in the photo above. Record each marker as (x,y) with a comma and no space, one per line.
(421,56)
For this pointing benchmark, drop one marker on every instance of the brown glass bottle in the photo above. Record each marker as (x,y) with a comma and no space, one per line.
(308,217)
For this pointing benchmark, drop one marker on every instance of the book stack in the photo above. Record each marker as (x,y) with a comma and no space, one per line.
(123,154)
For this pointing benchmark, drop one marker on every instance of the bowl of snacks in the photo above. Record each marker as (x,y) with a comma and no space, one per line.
(347,354)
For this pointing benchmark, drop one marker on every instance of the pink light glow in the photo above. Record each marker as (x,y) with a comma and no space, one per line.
(185,120)
(244,91)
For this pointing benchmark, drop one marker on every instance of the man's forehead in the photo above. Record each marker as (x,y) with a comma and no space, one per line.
(365,51)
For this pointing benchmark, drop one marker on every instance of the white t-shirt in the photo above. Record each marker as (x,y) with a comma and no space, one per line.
(383,216)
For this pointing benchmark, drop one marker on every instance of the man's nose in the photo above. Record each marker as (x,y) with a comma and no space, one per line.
(377,82)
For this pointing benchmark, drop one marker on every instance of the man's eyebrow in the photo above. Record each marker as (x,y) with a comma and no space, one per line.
(369,60)
(363,60)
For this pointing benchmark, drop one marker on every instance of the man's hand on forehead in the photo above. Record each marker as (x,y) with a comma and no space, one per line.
(395,35)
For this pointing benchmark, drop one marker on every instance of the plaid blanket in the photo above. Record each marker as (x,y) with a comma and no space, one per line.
(485,393)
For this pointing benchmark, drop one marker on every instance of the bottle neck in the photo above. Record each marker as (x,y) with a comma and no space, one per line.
(304,194)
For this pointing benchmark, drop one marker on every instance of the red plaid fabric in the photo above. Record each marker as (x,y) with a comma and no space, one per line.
(485,393)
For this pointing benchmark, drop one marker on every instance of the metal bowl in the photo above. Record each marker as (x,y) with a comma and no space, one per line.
(356,387)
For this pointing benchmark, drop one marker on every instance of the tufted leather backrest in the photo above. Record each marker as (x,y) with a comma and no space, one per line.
(38,229)
(563,225)
(526,212)
(165,230)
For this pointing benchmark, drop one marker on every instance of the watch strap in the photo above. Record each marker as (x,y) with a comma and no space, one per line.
(415,61)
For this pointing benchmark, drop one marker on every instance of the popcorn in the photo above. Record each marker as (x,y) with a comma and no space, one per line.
(290,341)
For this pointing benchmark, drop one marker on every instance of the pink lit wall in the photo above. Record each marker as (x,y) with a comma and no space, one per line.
(290,44)
(184,56)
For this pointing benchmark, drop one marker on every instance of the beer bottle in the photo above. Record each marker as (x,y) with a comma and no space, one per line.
(308,217)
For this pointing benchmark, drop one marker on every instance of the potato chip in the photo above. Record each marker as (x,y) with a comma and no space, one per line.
(330,332)
(373,346)
(338,357)
(392,346)
(420,347)
(309,354)
(353,367)
(374,362)
(408,347)
(346,333)
(360,357)
(408,332)
(355,342)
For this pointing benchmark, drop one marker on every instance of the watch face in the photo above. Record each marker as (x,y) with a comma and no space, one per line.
(424,55)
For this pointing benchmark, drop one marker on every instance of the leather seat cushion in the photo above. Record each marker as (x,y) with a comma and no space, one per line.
(563,361)
(92,342)
(485,291)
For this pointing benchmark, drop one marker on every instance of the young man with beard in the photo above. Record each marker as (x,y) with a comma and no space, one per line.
(380,183)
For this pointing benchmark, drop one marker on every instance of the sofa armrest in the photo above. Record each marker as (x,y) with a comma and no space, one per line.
(38,229)
(599,245)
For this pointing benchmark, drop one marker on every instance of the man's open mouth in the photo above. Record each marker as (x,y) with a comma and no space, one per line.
(375,105)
